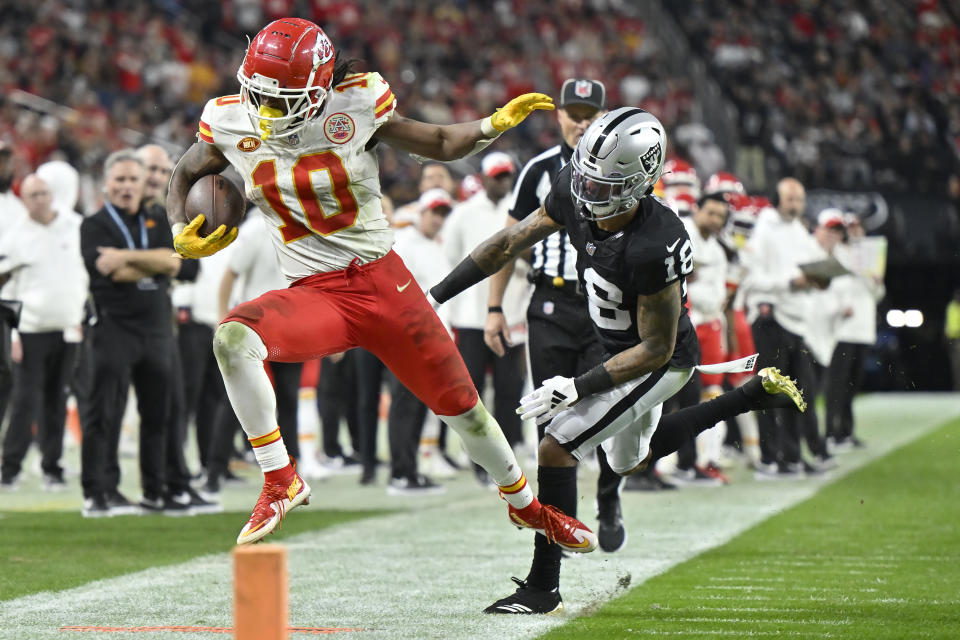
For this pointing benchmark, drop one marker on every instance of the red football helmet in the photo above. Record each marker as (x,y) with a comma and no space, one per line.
(723,182)
(678,173)
(285,76)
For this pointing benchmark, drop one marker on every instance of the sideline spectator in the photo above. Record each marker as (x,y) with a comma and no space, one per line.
(11,212)
(469,224)
(127,249)
(856,333)
(423,255)
(42,252)
(776,296)
(157,169)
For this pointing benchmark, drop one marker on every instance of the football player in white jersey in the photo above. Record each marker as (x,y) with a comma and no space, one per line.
(301,133)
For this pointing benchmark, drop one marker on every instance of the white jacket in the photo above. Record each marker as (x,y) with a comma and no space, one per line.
(772,257)
(707,291)
(470,223)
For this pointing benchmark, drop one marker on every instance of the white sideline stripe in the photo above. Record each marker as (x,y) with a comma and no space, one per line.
(429,573)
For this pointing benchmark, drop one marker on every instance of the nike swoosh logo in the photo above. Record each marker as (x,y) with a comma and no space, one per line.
(401,289)
(671,247)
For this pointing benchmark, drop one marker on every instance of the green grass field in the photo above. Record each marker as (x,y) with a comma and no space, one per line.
(875,555)
(63,550)
(871,550)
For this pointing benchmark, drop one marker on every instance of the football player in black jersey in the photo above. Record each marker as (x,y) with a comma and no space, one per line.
(633,254)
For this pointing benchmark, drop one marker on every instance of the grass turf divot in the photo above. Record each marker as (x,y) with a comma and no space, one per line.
(874,555)
(57,550)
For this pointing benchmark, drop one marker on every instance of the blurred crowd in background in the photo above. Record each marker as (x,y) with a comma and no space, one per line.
(839,94)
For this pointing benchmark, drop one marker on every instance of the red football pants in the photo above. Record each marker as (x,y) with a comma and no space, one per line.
(712,351)
(377,306)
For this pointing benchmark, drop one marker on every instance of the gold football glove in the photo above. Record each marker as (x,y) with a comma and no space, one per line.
(515,111)
(189,245)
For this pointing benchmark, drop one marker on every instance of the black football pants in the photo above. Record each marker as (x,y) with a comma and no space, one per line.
(39,394)
(781,429)
(119,357)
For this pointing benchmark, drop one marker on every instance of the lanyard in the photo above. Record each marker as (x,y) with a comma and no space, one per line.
(144,284)
(123,227)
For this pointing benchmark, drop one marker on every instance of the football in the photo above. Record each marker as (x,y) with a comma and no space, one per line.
(218,200)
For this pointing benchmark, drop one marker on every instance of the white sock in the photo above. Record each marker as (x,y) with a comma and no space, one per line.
(240,353)
(486,445)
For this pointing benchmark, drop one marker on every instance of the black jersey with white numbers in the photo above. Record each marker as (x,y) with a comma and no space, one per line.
(649,254)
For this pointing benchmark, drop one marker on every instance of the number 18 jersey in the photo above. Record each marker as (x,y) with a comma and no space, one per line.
(649,254)
(320,188)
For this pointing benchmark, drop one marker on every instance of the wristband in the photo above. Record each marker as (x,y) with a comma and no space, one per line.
(464,275)
(177,228)
(487,128)
(594,381)
(495,309)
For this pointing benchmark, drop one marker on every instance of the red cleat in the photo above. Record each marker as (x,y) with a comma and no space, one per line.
(558,527)
(275,500)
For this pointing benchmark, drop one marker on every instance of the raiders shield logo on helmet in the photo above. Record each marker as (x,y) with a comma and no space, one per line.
(651,159)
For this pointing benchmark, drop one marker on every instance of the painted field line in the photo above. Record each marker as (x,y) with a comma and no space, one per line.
(304,630)
(426,574)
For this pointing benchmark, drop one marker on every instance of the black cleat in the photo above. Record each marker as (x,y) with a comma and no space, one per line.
(645,482)
(528,600)
(611,534)
(770,389)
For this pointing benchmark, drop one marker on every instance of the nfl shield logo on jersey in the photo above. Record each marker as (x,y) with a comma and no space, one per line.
(339,128)
(591,248)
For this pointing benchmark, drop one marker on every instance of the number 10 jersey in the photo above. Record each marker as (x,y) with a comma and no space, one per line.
(319,189)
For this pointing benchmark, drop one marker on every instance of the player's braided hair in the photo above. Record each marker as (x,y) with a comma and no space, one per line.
(342,67)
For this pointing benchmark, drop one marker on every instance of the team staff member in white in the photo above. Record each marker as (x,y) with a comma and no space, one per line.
(777,306)
(471,221)
(418,246)
(42,254)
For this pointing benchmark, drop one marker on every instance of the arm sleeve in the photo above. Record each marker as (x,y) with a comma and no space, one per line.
(559,189)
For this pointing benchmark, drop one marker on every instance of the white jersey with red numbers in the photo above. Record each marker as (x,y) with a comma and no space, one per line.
(319,189)
(707,290)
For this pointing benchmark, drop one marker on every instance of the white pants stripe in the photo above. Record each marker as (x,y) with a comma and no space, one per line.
(621,420)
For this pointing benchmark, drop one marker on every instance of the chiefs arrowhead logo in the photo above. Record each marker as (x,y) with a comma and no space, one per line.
(249,144)
(339,128)
(322,50)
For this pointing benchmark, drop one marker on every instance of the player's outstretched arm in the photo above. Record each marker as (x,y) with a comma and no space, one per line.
(452,141)
(493,253)
(657,326)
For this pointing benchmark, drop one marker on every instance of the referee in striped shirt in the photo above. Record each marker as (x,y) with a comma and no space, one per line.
(561,340)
